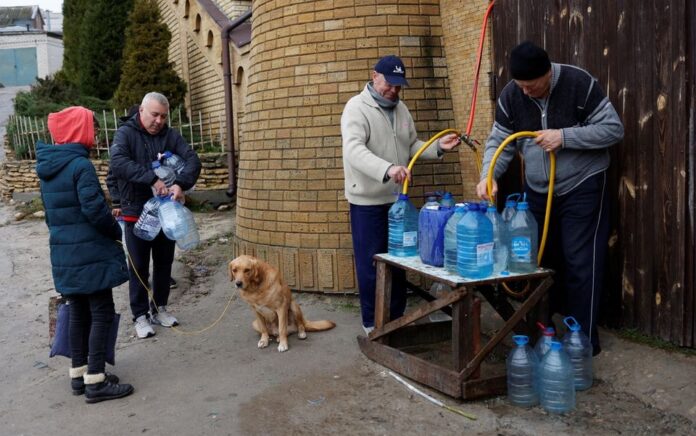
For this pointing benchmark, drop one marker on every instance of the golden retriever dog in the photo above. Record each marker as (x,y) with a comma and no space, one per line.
(277,314)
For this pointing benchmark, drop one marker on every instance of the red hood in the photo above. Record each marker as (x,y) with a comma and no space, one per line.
(72,125)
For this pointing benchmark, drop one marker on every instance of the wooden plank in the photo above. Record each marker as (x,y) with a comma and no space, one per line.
(690,259)
(437,377)
(421,334)
(382,294)
(533,298)
(417,313)
(484,387)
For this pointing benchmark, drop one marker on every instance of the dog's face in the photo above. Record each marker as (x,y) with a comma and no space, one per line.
(244,271)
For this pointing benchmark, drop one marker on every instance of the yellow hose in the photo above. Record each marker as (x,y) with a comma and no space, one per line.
(552,178)
(421,150)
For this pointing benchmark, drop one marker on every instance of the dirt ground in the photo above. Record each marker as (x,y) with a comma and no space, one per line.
(219,383)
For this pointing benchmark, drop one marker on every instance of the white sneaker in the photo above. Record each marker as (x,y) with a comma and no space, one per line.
(367,330)
(164,318)
(143,328)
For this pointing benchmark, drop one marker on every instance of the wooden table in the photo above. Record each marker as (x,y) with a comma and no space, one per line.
(463,374)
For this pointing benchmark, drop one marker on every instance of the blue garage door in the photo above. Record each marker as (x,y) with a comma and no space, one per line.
(18,66)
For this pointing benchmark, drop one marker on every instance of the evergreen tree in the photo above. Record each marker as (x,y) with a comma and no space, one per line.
(146,65)
(101,46)
(73,10)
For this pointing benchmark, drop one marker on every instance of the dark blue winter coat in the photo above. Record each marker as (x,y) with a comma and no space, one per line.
(85,256)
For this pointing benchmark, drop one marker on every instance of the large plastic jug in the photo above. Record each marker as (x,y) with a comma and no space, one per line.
(500,250)
(556,387)
(521,366)
(474,244)
(403,228)
(173,219)
(432,219)
(543,344)
(148,225)
(579,349)
(173,161)
(450,262)
(523,233)
(191,239)
(166,174)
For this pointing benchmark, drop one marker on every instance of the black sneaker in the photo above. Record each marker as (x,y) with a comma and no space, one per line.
(78,383)
(106,390)
(172,283)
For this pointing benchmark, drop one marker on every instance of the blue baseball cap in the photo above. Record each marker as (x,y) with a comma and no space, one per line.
(393,70)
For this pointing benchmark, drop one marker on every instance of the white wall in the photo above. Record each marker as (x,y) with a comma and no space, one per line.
(49,50)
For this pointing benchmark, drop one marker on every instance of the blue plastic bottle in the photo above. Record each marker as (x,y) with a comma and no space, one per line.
(579,349)
(450,261)
(148,225)
(173,161)
(556,387)
(447,200)
(543,344)
(173,219)
(403,228)
(522,365)
(474,244)
(500,251)
(431,232)
(523,233)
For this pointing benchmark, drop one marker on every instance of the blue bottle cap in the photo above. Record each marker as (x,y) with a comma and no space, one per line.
(520,339)
(155,164)
(403,197)
(572,323)
(167,154)
(491,208)
(522,205)
(472,207)
(555,345)
(447,195)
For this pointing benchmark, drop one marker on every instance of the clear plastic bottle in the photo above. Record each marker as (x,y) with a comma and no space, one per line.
(474,244)
(173,219)
(447,200)
(166,174)
(506,216)
(522,365)
(403,228)
(191,239)
(173,161)
(148,225)
(500,251)
(432,219)
(543,344)
(524,240)
(122,224)
(556,387)
(578,346)
(450,244)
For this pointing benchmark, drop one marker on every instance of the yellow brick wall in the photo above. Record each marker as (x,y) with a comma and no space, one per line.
(307,59)
(461,24)
(233,8)
(170,18)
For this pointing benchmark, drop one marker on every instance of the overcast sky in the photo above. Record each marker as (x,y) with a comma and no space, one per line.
(51,5)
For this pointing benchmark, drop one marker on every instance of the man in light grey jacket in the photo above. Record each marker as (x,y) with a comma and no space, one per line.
(379,138)
(573,117)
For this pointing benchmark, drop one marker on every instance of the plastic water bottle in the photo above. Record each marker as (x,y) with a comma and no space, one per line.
(522,365)
(148,225)
(506,216)
(447,200)
(166,174)
(431,232)
(543,344)
(450,244)
(523,233)
(191,239)
(556,387)
(173,219)
(403,228)
(474,244)
(500,251)
(173,161)
(579,349)
(122,224)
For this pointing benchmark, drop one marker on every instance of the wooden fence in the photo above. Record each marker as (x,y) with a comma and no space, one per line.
(204,135)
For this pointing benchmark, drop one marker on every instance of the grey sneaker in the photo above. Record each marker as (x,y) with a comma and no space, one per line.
(164,318)
(367,330)
(143,327)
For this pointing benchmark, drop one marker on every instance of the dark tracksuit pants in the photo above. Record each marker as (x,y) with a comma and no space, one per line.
(369,226)
(162,249)
(91,316)
(576,248)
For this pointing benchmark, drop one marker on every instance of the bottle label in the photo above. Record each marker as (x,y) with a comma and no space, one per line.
(149,224)
(410,239)
(521,247)
(484,254)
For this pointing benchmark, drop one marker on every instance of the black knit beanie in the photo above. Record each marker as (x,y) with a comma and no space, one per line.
(528,61)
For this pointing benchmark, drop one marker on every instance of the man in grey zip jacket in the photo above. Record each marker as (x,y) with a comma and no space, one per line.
(573,118)
(379,138)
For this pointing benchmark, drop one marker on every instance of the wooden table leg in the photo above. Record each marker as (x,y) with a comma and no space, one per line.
(383,289)
(462,332)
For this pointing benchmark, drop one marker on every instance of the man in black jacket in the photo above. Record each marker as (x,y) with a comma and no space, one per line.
(137,143)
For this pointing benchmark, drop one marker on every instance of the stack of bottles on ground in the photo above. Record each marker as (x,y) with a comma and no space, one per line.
(552,372)
(469,239)
(163,213)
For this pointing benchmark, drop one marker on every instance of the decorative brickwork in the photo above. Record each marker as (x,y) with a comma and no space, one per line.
(307,59)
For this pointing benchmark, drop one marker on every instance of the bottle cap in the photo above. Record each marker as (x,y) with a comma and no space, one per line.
(403,197)
(167,154)
(472,206)
(522,205)
(549,331)
(572,323)
(555,345)
(520,339)
(155,164)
